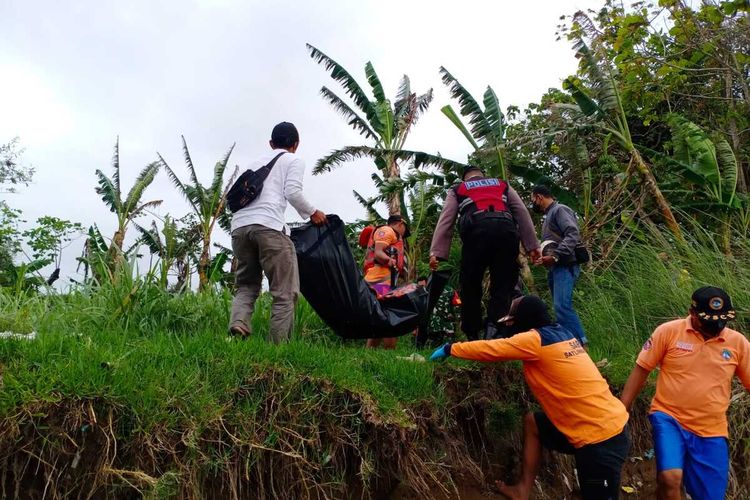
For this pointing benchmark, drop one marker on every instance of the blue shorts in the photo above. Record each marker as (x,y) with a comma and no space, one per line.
(703,460)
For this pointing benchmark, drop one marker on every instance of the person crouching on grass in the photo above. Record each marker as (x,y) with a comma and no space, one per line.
(580,415)
(698,356)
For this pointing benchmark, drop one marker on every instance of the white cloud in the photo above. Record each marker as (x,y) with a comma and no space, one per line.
(78,74)
(31,108)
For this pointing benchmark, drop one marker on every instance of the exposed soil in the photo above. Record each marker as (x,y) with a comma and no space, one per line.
(308,439)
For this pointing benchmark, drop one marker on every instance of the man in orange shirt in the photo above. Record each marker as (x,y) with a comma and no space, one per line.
(581,417)
(385,254)
(697,356)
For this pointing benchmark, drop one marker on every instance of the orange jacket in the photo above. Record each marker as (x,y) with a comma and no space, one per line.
(562,377)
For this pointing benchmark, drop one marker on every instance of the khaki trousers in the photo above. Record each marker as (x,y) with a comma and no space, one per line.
(263,250)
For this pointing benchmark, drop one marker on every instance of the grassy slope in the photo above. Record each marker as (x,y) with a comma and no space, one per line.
(167,361)
(155,372)
(149,350)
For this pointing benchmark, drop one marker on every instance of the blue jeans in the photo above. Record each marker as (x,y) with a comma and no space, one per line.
(561,280)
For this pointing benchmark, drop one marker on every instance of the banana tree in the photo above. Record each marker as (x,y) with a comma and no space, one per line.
(487,135)
(487,126)
(128,208)
(600,109)
(217,275)
(171,245)
(25,276)
(208,203)
(710,169)
(385,124)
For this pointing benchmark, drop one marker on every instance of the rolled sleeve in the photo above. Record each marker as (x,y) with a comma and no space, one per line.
(293,189)
(523,346)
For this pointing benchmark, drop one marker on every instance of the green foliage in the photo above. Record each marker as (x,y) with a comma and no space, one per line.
(110,191)
(12,171)
(208,205)
(50,236)
(385,123)
(487,125)
(127,209)
(24,277)
(644,286)
(175,246)
(710,166)
(10,234)
(166,358)
(138,345)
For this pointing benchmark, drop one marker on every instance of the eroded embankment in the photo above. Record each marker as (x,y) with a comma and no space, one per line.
(286,436)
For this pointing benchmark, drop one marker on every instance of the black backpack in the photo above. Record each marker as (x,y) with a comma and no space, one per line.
(249,185)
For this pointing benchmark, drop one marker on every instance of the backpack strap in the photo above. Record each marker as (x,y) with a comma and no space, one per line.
(273,162)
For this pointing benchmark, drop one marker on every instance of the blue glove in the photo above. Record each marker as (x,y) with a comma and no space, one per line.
(441,353)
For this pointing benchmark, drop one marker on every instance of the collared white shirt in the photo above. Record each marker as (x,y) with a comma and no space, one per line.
(284,183)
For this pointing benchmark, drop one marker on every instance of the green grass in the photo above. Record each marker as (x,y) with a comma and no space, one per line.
(152,351)
(621,304)
(165,362)
(169,377)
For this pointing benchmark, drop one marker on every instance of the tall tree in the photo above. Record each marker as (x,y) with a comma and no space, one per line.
(487,135)
(128,208)
(690,58)
(208,203)
(600,108)
(384,124)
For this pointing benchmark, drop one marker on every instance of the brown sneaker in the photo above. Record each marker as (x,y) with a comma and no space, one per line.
(239,331)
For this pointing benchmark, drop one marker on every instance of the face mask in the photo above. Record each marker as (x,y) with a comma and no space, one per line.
(712,327)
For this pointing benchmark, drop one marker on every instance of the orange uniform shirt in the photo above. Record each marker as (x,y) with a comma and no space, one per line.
(564,380)
(695,379)
(379,273)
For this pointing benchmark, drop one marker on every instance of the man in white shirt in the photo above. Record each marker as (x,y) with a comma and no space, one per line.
(261,243)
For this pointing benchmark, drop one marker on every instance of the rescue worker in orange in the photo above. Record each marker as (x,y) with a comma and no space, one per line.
(580,415)
(385,256)
(698,356)
(491,221)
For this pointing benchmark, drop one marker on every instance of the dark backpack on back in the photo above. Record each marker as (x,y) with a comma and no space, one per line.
(249,186)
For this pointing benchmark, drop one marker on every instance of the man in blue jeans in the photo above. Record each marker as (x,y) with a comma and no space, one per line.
(560,226)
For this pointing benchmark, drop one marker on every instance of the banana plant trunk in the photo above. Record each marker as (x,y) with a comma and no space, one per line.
(183,274)
(114,254)
(203,264)
(394,199)
(164,267)
(653,189)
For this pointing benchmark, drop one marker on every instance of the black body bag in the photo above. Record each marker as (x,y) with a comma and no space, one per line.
(249,186)
(332,282)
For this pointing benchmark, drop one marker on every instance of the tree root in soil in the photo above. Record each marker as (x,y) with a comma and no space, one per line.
(286,436)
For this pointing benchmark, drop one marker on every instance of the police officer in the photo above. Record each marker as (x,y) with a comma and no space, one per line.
(491,220)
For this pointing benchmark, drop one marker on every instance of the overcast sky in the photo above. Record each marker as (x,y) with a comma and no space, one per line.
(75,75)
